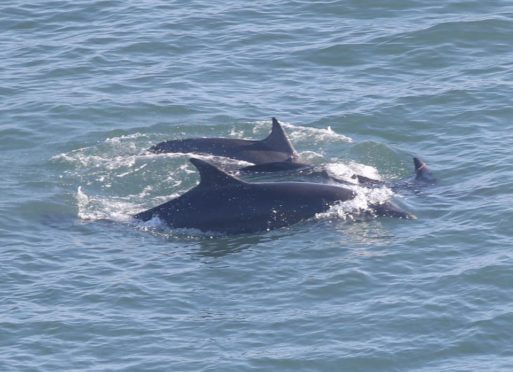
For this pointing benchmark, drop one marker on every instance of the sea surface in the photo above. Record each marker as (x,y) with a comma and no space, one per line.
(361,86)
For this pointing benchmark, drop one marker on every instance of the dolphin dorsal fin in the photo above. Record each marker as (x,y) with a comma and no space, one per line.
(212,176)
(422,172)
(278,140)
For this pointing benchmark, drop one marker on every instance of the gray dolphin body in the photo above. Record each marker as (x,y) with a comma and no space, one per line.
(423,175)
(223,203)
(275,148)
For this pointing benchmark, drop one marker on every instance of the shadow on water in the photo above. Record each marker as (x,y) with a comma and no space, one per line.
(360,231)
(207,244)
(222,245)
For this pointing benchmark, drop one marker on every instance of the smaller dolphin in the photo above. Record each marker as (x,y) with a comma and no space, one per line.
(274,148)
(223,203)
(423,174)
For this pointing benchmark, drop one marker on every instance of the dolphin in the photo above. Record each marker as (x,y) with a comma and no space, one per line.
(275,148)
(423,174)
(226,204)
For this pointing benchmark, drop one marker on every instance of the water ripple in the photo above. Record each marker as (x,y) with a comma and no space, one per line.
(87,86)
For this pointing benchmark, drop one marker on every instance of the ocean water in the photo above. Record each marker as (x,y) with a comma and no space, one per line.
(87,86)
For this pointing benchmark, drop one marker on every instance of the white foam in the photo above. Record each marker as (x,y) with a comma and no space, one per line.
(132,171)
(118,209)
(346,171)
(95,208)
(359,204)
(310,156)
(236,133)
(300,133)
(109,164)
(154,223)
(83,159)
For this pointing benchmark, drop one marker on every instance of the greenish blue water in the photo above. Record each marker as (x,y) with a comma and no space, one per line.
(87,86)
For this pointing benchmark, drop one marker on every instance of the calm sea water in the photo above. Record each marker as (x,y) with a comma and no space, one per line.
(87,86)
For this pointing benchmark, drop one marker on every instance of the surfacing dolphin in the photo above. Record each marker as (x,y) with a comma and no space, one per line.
(275,148)
(223,203)
(423,174)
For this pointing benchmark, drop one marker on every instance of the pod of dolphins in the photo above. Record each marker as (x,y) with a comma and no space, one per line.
(224,203)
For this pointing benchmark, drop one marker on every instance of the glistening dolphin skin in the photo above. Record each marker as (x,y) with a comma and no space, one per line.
(223,203)
(273,149)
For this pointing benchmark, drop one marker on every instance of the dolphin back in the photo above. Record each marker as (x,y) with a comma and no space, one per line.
(274,148)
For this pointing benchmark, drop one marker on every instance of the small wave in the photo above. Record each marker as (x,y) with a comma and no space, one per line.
(119,209)
(319,134)
(160,228)
(126,137)
(112,153)
(83,160)
(301,133)
(86,158)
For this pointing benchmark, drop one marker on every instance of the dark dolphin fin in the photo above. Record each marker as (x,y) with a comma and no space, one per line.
(422,172)
(211,176)
(278,141)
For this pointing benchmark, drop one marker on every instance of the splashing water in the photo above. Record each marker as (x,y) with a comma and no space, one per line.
(365,197)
